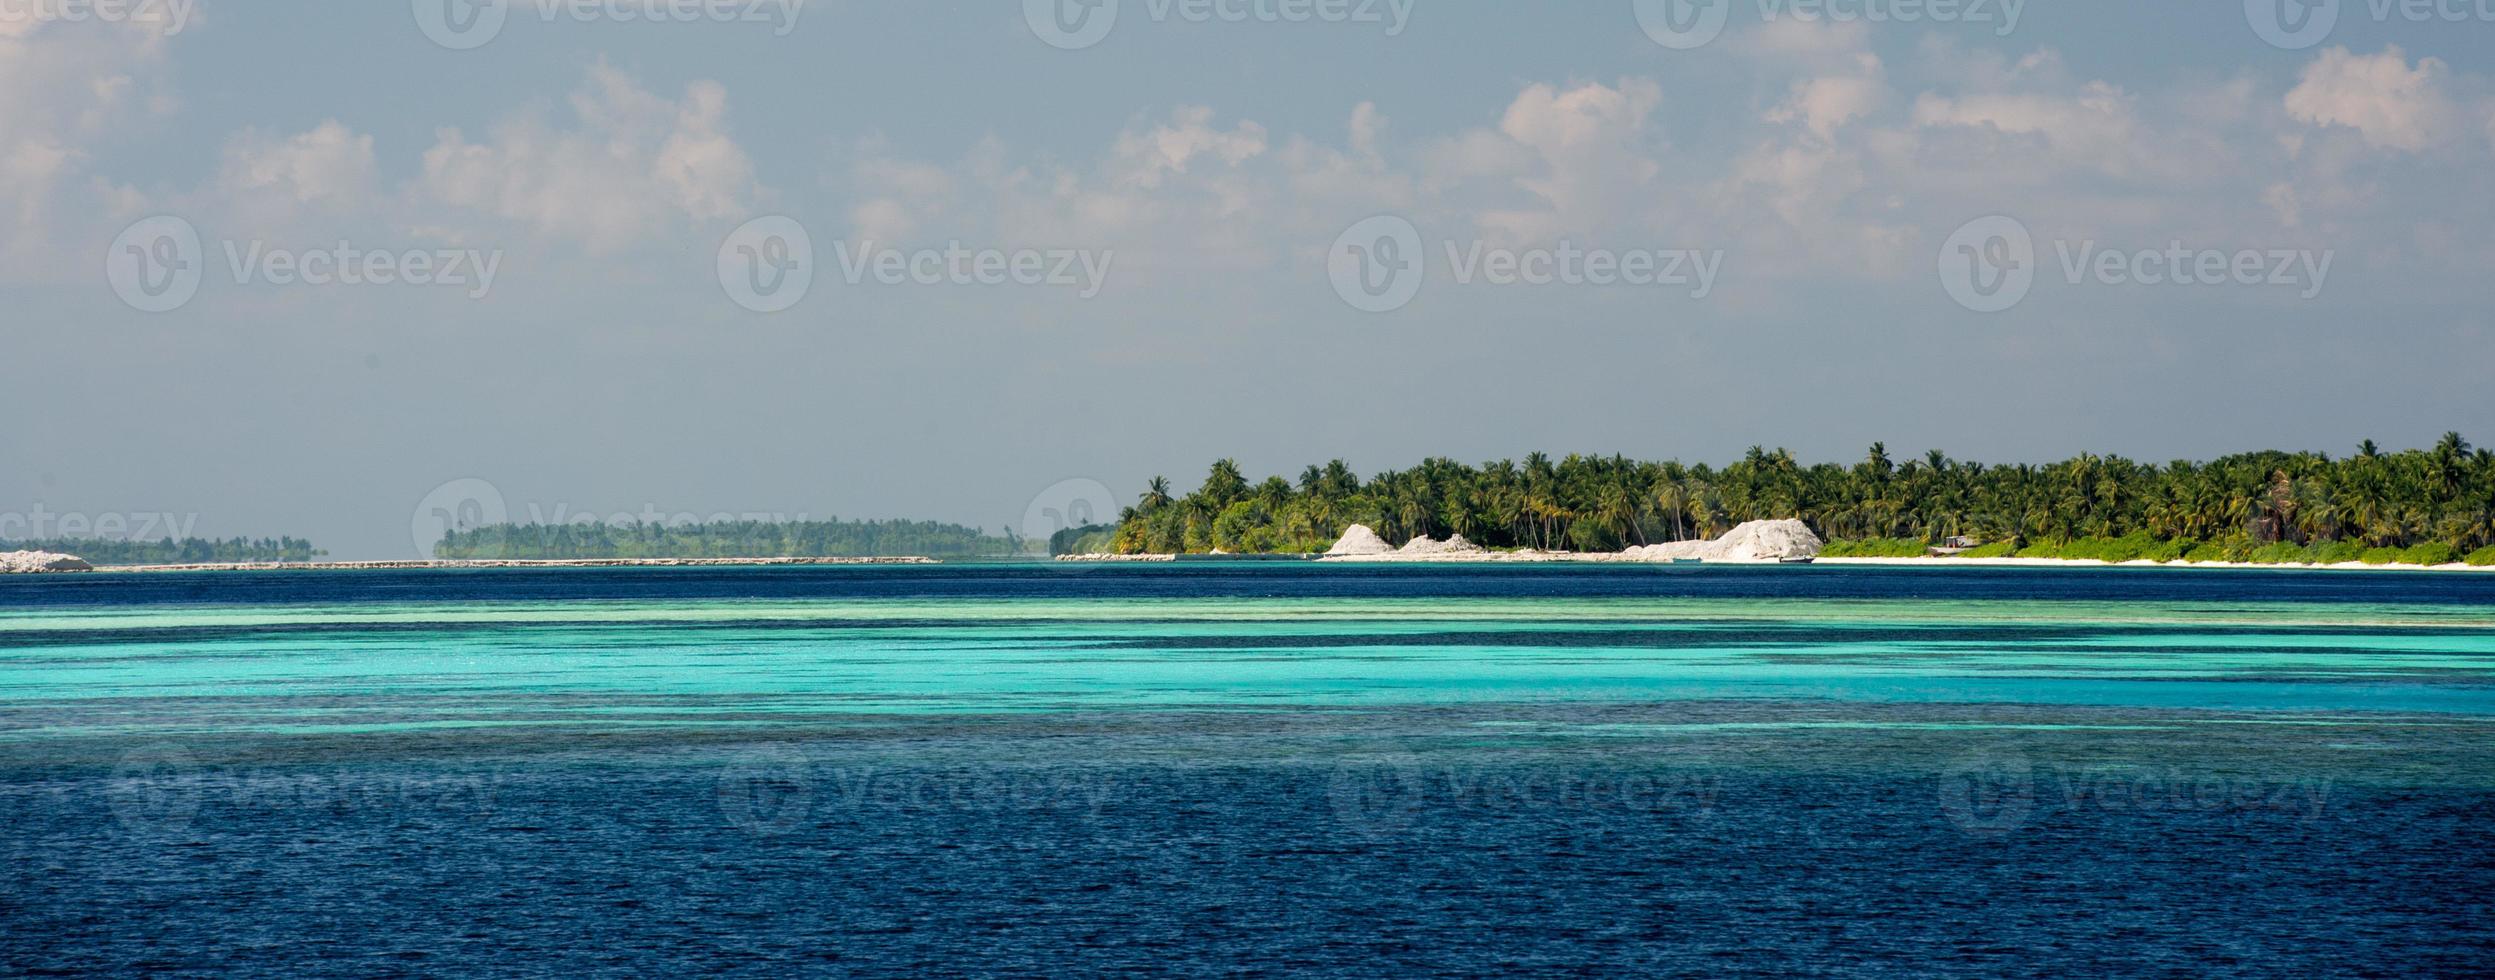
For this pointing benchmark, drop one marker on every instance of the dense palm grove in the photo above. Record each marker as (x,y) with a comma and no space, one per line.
(725,539)
(2441,500)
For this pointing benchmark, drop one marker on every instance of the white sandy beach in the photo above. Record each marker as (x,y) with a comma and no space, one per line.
(2345,566)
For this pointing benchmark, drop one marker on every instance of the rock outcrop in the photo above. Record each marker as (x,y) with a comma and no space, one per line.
(28,562)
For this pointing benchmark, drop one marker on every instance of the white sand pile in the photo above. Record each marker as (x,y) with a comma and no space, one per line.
(1359,540)
(1425,545)
(26,562)
(1754,541)
(1769,541)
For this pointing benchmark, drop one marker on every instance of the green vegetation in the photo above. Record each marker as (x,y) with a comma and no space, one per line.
(2429,553)
(1088,540)
(2336,552)
(187,551)
(2137,547)
(2252,506)
(1876,548)
(2482,557)
(734,539)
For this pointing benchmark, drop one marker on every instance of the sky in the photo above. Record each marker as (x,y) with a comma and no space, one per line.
(334,270)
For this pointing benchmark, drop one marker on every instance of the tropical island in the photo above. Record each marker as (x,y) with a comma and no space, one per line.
(171,551)
(581,541)
(2433,506)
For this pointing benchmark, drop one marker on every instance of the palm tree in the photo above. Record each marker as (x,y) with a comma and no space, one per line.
(1672,501)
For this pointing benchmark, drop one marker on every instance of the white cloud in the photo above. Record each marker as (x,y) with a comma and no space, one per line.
(1145,158)
(634,165)
(1823,104)
(1594,164)
(1184,191)
(330,165)
(2097,125)
(67,85)
(1807,40)
(2380,96)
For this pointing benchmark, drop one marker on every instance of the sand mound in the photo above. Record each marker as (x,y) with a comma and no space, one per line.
(1768,541)
(24,562)
(1754,541)
(1426,545)
(1359,540)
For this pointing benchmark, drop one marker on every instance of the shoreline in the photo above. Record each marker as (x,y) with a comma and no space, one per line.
(1616,558)
(2007,562)
(1459,558)
(446,563)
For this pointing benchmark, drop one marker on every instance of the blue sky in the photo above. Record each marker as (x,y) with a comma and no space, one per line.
(2328,201)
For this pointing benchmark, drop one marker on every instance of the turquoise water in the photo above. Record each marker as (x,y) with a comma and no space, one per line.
(376,666)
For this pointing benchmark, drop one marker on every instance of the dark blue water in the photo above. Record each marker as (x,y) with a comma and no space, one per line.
(1255,580)
(1811,831)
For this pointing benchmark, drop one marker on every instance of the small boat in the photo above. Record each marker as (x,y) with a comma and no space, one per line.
(1795,561)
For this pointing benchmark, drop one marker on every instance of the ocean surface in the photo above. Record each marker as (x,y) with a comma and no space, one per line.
(1250,768)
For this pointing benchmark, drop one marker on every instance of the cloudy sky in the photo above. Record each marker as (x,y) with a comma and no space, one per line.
(1003,246)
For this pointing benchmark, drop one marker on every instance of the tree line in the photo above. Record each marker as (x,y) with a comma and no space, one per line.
(168,551)
(727,539)
(2442,497)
